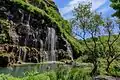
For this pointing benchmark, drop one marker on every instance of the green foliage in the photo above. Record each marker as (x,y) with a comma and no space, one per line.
(62,73)
(37,77)
(52,75)
(4,35)
(115,68)
(65,73)
(8,77)
(77,47)
(79,74)
(28,7)
(116,5)
(86,19)
(103,55)
(5,23)
(88,23)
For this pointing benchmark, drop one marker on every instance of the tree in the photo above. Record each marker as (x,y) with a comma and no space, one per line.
(110,46)
(88,23)
(116,5)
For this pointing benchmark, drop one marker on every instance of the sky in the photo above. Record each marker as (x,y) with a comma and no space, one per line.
(66,7)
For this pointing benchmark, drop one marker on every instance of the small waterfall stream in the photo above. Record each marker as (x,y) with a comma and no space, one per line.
(50,44)
(24,56)
(41,45)
(20,52)
(52,50)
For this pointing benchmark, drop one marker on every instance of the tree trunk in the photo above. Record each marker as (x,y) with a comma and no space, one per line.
(108,66)
(95,69)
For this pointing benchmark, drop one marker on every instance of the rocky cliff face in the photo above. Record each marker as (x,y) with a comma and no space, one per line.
(29,34)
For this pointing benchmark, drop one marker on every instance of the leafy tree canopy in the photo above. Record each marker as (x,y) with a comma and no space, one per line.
(116,5)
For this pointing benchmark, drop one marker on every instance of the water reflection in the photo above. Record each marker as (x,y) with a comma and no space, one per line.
(19,70)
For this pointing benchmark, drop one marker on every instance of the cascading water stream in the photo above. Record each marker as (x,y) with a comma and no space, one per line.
(50,44)
(25,51)
(52,51)
(20,52)
(41,45)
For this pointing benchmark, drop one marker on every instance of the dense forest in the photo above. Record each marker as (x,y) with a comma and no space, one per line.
(37,43)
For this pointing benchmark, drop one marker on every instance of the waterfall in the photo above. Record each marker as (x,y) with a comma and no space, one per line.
(25,52)
(41,45)
(20,52)
(50,44)
(46,55)
(53,57)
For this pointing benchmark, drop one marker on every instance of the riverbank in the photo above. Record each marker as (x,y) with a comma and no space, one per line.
(41,63)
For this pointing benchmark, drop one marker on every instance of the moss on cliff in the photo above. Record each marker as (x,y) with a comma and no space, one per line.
(47,9)
(4,35)
(50,11)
